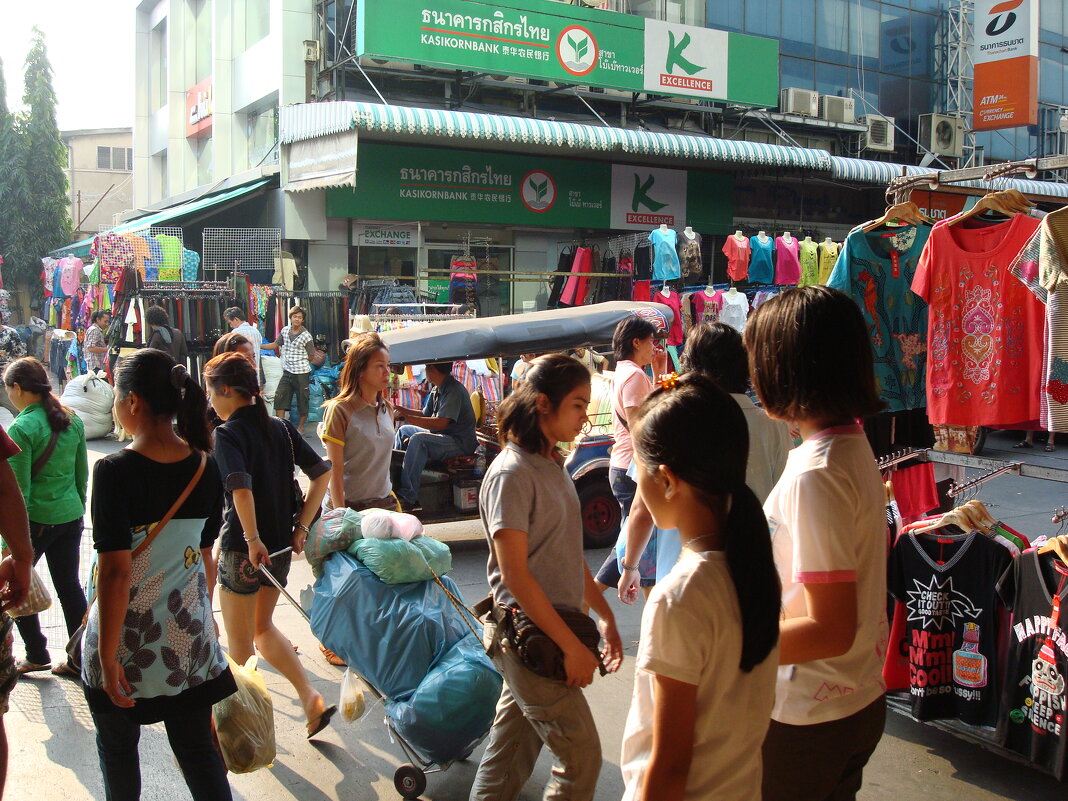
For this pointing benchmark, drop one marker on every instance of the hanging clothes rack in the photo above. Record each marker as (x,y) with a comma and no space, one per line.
(900,188)
(970,484)
(896,458)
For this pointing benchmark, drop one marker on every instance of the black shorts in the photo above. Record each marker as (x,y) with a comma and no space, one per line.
(237,574)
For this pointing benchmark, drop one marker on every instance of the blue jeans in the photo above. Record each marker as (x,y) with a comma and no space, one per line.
(189,733)
(421,446)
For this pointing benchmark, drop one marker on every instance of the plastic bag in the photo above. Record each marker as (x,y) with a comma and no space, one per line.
(382,524)
(244,721)
(91,398)
(335,531)
(393,561)
(272,374)
(436,553)
(353,704)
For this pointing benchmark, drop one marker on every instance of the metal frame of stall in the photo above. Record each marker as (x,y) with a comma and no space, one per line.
(992,468)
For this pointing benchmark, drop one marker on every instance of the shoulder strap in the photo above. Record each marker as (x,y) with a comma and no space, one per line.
(42,460)
(174,507)
(292,449)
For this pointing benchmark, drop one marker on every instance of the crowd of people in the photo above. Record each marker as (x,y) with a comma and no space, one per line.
(762,564)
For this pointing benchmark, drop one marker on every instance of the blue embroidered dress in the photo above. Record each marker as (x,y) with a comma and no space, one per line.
(167,646)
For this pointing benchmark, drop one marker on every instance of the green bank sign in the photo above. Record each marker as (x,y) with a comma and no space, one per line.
(414,183)
(569,44)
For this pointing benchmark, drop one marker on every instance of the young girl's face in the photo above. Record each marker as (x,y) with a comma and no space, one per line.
(643,350)
(653,489)
(375,375)
(565,422)
(222,399)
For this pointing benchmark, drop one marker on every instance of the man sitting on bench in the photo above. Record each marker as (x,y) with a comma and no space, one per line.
(444,429)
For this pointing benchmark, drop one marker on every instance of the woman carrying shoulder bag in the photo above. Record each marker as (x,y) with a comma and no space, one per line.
(52,471)
(530,512)
(150,652)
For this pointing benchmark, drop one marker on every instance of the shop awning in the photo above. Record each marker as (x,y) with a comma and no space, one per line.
(320,163)
(882,172)
(311,120)
(174,214)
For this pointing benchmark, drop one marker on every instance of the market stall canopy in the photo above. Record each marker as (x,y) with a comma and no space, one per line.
(516,334)
(326,161)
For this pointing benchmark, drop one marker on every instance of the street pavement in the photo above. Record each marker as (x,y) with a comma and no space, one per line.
(53,754)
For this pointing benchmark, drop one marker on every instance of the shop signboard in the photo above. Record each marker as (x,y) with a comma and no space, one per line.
(573,45)
(199,108)
(939,205)
(385,236)
(438,185)
(1006,64)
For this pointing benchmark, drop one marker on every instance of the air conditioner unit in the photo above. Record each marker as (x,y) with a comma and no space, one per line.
(799,101)
(942,134)
(386,64)
(880,133)
(837,109)
(508,79)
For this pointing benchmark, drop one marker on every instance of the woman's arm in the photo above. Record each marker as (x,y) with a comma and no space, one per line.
(639,530)
(674,716)
(312,502)
(336,454)
(245,504)
(829,628)
(113,597)
(510,547)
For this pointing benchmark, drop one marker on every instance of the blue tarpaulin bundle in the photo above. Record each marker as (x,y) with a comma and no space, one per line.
(412,644)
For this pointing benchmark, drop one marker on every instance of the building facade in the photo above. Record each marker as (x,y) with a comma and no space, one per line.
(100,176)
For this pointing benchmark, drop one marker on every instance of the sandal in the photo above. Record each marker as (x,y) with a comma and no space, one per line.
(1023,444)
(320,723)
(26,666)
(1050,447)
(66,671)
(331,657)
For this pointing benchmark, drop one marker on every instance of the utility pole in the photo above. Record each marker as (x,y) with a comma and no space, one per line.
(79,213)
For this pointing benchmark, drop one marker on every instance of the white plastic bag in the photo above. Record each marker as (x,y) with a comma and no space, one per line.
(353,704)
(382,524)
(91,398)
(244,721)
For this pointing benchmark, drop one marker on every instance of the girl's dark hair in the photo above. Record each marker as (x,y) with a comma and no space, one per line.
(630,328)
(229,343)
(236,372)
(810,356)
(716,350)
(362,348)
(30,375)
(169,391)
(554,376)
(672,430)
(99,314)
(157,315)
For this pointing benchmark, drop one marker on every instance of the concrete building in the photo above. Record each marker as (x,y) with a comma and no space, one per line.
(100,174)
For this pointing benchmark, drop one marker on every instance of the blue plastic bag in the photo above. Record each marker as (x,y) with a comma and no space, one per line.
(453,708)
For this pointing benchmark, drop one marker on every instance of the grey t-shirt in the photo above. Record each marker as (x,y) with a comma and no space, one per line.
(452,401)
(527,492)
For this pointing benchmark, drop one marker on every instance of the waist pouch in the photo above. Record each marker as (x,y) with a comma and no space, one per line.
(538,652)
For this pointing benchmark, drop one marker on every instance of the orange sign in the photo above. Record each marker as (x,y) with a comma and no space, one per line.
(198,109)
(1006,64)
(938,205)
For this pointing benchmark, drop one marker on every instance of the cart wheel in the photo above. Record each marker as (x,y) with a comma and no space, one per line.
(409,781)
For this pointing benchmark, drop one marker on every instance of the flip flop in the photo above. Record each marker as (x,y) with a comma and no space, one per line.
(1023,444)
(1050,448)
(26,666)
(322,722)
(66,671)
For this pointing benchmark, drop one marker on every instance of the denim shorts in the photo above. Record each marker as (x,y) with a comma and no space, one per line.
(237,574)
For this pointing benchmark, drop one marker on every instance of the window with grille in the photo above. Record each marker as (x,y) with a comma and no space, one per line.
(103,158)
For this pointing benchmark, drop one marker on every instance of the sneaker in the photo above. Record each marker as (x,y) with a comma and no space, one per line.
(26,666)
(409,507)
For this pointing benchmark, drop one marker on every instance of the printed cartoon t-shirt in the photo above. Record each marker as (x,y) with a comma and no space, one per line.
(948,589)
(1033,703)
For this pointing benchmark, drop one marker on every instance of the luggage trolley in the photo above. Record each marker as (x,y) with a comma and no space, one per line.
(410,778)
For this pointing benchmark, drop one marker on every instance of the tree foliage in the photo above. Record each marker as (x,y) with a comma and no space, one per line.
(7,171)
(35,190)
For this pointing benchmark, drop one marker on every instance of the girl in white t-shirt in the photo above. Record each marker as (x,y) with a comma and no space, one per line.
(705,682)
(811,361)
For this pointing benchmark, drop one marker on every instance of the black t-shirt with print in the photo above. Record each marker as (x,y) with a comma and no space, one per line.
(951,625)
(1032,720)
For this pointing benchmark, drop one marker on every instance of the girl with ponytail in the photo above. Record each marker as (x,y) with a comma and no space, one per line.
(52,471)
(149,652)
(707,658)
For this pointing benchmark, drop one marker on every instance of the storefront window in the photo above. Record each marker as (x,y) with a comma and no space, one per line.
(261,132)
(202,49)
(376,263)
(493,294)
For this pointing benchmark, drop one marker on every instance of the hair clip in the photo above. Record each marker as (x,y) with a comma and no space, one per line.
(669,381)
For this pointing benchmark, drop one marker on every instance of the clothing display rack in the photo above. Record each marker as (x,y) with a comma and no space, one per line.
(327,317)
(993,468)
(901,187)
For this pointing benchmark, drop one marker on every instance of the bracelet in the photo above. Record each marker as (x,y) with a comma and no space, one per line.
(254,539)
(628,567)
(303,528)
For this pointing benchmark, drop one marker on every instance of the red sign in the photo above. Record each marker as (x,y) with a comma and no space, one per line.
(939,205)
(198,109)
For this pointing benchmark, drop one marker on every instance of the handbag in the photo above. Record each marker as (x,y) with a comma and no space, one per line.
(74,644)
(37,598)
(538,652)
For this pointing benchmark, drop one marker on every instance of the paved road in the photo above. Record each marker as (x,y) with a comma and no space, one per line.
(53,754)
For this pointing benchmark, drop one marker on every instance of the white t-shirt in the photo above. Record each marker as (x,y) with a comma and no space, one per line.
(692,632)
(253,335)
(828,524)
(630,385)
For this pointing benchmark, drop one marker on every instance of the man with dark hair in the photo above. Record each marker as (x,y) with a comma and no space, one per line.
(95,347)
(297,348)
(444,429)
(163,337)
(239,324)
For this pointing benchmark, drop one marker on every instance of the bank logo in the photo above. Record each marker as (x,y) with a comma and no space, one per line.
(577,50)
(1002,17)
(538,191)
(680,70)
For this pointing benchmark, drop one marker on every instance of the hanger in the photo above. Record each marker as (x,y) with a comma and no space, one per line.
(1007,202)
(906,212)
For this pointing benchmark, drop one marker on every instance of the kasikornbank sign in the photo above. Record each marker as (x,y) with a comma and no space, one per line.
(434,185)
(1006,64)
(573,45)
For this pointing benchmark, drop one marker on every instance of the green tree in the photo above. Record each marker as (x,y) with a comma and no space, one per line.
(7,171)
(39,217)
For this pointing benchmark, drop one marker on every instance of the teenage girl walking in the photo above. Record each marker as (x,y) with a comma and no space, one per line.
(707,660)
(531,515)
(811,361)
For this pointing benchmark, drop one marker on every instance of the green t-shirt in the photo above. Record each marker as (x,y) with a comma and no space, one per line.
(57,494)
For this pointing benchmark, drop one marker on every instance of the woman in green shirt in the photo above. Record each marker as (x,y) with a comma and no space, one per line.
(52,471)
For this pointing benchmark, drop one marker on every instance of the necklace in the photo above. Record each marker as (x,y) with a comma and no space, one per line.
(690,544)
